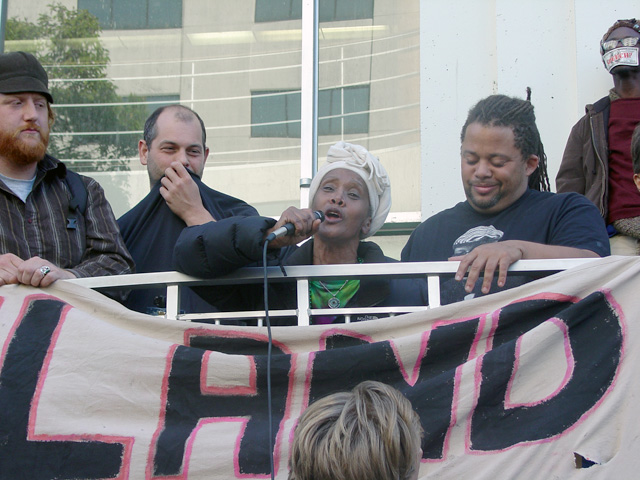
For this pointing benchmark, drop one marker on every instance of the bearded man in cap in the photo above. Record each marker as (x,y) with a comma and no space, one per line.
(44,234)
(597,158)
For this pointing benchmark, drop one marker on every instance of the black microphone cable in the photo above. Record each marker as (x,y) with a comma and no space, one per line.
(269,347)
(287,229)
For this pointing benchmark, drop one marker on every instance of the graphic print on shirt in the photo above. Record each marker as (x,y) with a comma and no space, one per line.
(474,237)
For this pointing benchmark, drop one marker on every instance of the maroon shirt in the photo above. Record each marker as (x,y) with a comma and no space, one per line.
(624,198)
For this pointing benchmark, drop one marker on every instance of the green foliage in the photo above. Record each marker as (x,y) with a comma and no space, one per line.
(67,42)
(21,30)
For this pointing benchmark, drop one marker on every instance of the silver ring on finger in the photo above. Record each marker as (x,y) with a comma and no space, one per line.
(44,270)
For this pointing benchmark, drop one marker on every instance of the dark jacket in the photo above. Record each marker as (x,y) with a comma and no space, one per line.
(585,162)
(150,230)
(218,248)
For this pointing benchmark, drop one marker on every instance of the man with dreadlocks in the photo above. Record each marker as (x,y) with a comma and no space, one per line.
(509,213)
(597,158)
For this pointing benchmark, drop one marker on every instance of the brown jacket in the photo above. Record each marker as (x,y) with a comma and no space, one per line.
(585,162)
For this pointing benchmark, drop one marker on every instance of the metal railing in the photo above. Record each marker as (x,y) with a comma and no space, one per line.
(174,281)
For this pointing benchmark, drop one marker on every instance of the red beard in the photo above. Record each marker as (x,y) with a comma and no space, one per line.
(14,148)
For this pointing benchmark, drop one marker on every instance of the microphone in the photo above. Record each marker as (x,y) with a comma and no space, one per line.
(289,228)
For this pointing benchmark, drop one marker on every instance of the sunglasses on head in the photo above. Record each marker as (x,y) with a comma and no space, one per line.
(611,44)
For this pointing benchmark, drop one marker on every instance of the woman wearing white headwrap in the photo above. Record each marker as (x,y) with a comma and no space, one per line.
(357,159)
(354,193)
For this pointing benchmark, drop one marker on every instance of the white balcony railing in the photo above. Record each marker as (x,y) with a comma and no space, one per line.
(174,281)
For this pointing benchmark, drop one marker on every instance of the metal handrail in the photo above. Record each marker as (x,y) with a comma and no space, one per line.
(174,281)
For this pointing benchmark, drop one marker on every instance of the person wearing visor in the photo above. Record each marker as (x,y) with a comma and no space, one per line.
(353,193)
(597,158)
(54,223)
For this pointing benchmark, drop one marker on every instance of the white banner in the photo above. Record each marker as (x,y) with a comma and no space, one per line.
(513,385)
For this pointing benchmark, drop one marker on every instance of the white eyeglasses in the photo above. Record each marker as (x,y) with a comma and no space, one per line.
(627,42)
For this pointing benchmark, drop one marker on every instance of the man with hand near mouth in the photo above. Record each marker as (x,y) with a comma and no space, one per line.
(597,158)
(505,217)
(44,233)
(174,151)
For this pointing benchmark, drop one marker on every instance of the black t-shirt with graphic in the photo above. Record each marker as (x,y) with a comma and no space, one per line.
(566,219)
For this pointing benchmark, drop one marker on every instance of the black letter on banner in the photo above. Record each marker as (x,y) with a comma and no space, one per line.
(187,405)
(595,338)
(22,458)
(340,369)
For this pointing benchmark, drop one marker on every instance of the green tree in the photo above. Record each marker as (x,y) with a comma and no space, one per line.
(67,42)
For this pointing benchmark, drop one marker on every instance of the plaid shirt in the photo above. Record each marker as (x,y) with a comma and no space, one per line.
(39,226)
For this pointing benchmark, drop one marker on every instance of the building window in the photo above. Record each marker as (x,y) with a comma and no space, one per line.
(135,14)
(275,114)
(341,111)
(334,10)
(153,102)
(330,10)
(336,109)
(277,10)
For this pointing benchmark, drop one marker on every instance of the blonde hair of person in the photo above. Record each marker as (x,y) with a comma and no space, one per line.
(370,433)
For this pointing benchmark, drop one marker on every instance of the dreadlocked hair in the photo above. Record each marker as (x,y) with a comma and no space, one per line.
(517,114)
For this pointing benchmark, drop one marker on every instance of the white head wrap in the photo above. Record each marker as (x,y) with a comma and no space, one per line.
(359,160)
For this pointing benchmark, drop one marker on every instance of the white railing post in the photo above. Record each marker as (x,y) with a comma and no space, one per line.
(433,290)
(303,302)
(173,301)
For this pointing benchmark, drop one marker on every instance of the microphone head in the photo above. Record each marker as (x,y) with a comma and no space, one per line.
(319,215)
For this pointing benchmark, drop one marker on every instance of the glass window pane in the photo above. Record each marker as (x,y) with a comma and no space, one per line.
(135,14)
(275,115)
(330,112)
(278,10)
(165,14)
(324,111)
(128,14)
(353,9)
(356,99)
(100,8)
(337,10)
(329,10)
(293,115)
(266,111)
(296,9)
